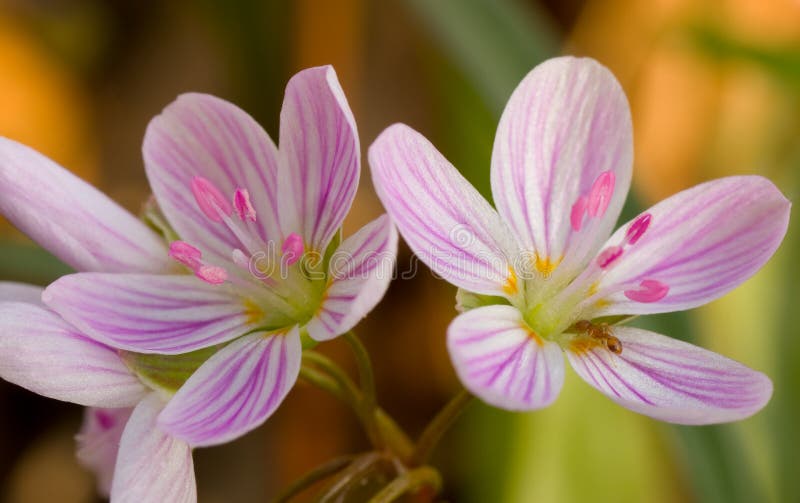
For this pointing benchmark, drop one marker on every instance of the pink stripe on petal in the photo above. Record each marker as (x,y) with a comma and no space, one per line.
(199,135)
(151,465)
(499,360)
(72,219)
(699,244)
(562,160)
(236,390)
(361,269)
(671,380)
(42,353)
(444,220)
(320,155)
(149,313)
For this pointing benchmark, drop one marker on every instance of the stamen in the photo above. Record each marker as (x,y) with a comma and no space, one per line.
(241,201)
(650,290)
(191,257)
(576,216)
(185,253)
(637,228)
(212,274)
(292,248)
(240,259)
(600,194)
(210,199)
(608,256)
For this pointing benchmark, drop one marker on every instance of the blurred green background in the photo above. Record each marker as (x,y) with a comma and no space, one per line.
(714,87)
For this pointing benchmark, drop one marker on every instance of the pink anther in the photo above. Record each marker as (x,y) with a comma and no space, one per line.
(576,215)
(650,290)
(185,253)
(241,201)
(608,256)
(292,248)
(638,228)
(600,194)
(210,199)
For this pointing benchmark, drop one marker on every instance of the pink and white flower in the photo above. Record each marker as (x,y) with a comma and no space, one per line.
(255,227)
(541,274)
(254,260)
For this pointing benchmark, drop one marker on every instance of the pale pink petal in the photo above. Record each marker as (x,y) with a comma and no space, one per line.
(694,246)
(149,313)
(562,160)
(671,380)
(151,465)
(500,360)
(199,135)
(360,271)
(98,443)
(20,292)
(441,216)
(72,219)
(44,354)
(236,390)
(320,157)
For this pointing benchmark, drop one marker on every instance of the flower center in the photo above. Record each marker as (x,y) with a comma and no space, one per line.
(570,308)
(282,284)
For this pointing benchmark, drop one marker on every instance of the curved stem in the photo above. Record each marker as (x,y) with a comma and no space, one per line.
(410,481)
(438,427)
(366,376)
(355,396)
(322,381)
(319,473)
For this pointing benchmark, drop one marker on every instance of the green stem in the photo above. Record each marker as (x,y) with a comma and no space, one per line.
(319,473)
(438,427)
(408,482)
(366,376)
(322,381)
(354,395)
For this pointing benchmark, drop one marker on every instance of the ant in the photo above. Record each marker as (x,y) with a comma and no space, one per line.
(600,332)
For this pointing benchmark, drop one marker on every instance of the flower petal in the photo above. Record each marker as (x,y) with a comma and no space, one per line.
(671,380)
(444,220)
(562,160)
(697,245)
(72,219)
(151,465)
(98,443)
(502,361)
(320,157)
(44,354)
(236,390)
(20,292)
(149,313)
(360,271)
(199,135)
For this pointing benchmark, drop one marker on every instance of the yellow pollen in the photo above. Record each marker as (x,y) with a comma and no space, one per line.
(253,312)
(601,303)
(593,288)
(511,286)
(545,266)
